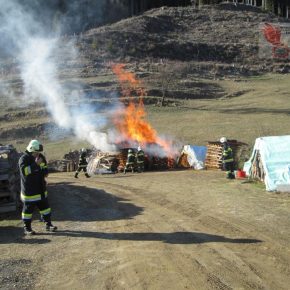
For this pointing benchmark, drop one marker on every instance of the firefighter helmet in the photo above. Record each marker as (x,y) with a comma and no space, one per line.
(34,146)
(139,148)
(223,140)
(130,151)
(83,150)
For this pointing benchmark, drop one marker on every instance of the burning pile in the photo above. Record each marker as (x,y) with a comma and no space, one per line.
(130,120)
(134,130)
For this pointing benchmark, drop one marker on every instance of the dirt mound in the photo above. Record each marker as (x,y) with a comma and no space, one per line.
(224,33)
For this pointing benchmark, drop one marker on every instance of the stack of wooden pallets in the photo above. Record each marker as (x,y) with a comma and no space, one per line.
(9,179)
(62,165)
(122,157)
(213,159)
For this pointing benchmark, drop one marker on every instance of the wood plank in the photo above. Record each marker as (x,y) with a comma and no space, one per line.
(7,207)
(5,194)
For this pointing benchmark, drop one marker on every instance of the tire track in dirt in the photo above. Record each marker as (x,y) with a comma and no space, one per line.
(214,223)
(210,277)
(177,232)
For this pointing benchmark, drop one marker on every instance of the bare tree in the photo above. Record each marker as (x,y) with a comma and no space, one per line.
(166,77)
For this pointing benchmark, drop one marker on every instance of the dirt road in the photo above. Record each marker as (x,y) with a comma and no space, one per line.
(157,230)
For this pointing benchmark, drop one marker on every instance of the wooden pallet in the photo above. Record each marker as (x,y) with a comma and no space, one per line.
(214,153)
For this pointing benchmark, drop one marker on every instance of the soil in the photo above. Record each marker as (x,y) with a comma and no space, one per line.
(155,230)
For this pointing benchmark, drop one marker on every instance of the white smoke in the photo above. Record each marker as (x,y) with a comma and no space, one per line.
(36,48)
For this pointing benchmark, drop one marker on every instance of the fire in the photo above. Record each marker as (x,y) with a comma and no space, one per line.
(131,121)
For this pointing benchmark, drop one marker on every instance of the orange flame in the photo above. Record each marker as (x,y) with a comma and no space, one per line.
(131,121)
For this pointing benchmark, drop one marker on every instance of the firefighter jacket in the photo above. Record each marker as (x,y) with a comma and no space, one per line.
(140,156)
(130,159)
(227,154)
(83,160)
(32,178)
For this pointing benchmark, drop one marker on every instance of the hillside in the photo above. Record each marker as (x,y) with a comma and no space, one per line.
(223,34)
(205,63)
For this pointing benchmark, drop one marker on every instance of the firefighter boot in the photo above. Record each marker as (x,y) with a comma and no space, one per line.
(87,176)
(50,227)
(232,176)
(28,231)
(76,175)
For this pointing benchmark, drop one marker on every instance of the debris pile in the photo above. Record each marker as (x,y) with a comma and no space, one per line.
(69,162)
(103,162)
(182,161)
(9,179)
(158,163)
(113,162)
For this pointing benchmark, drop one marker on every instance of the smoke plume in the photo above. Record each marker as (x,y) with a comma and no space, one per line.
(27,35)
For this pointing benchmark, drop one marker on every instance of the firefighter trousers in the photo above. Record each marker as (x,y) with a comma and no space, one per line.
(43,207)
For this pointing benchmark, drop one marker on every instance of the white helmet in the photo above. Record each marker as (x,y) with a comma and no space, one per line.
(34,146)
(83,150)
(223,140)
(139,148)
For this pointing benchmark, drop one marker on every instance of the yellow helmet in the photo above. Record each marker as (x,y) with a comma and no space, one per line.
(34,146)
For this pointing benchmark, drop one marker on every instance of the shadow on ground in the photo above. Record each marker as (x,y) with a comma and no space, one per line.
(170,238)
(15,235)
(71,202)
(10,234)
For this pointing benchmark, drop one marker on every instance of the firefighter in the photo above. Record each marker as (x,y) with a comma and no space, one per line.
(130,163)
(33,170)
(227,158)
(140,160)
(82,163)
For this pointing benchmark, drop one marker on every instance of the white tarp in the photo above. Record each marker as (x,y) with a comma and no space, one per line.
(195,155)
(275,157)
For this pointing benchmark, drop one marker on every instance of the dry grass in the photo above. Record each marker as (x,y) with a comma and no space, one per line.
(259,108)
(262,110)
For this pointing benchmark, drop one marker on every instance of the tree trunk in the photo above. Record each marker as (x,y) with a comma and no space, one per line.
(203,2)
(269,5)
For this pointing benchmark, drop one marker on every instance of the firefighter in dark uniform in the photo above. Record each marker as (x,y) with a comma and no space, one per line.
(130,163)
(82,163)
(33,170)
(140,157)
(228,159)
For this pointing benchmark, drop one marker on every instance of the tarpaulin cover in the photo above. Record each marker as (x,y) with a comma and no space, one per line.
(195,155)
(275,157)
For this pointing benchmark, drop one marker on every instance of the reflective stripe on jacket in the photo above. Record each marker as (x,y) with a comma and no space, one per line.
(140,156)
(130,159)
(227,154)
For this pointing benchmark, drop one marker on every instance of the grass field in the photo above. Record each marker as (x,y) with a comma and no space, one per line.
(252,107)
